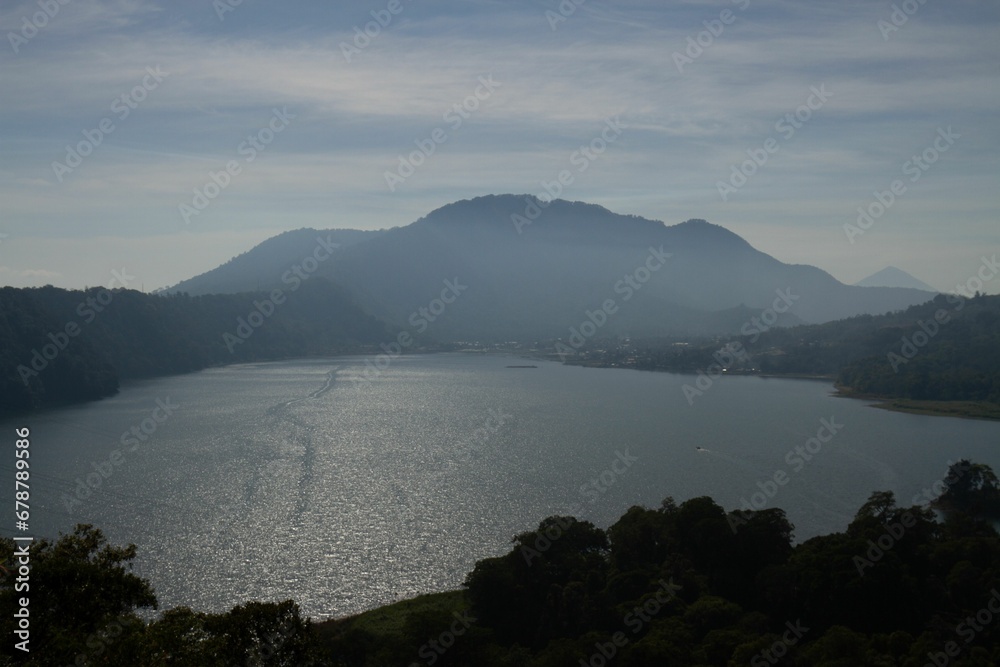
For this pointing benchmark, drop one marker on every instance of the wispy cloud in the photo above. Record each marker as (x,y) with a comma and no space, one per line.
(354,119)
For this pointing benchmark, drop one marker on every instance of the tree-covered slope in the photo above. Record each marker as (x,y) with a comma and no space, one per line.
(64,345)
(947,349)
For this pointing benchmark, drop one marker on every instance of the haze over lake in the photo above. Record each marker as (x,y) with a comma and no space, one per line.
(294,479)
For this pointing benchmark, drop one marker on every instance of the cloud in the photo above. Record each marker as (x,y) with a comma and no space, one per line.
(354,119)
(56,23)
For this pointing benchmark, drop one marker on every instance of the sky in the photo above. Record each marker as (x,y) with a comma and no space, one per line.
(163,138)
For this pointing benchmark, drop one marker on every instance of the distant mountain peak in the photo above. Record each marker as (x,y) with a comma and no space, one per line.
(709,232)
(571,218)
(487,209)
(891,276)
(510,203)
(524,210)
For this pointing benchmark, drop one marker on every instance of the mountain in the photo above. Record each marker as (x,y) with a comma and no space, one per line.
(890,276)
(244,273)
(521,268)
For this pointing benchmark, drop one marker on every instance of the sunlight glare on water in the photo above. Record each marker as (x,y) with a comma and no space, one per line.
(298,480)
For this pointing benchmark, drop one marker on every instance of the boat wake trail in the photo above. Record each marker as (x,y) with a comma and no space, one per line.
(299,444)
(331,377)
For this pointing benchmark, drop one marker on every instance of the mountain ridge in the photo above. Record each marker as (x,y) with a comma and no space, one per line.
(534,268)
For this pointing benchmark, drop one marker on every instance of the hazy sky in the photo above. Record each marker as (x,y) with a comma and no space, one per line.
(696,86)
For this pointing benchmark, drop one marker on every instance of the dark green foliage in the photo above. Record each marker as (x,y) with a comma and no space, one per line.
(547,586)
(891,589)
(888,356)
(893,355)
(82,597)
(82,603)
(972,491)
(135,335)
(262,634)
(79,372)
(685,584)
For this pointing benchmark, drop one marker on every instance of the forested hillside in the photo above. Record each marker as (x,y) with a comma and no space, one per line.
(947,349)
(61,345)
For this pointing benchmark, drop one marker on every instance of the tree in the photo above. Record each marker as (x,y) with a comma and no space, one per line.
(83,595)
(878,506)
(642,537)
(972,489)
(528,595)
(264,634)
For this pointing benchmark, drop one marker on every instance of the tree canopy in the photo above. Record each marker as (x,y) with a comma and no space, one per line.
(687,583)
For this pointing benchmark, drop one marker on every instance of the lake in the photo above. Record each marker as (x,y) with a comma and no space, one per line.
(344,489)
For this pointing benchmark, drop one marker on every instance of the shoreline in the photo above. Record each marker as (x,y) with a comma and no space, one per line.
(979,410)
(982,410)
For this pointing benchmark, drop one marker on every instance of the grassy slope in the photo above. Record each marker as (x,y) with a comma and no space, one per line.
(964,409)
(391,627)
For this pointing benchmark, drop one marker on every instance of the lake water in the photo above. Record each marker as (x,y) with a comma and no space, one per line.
(295,479)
